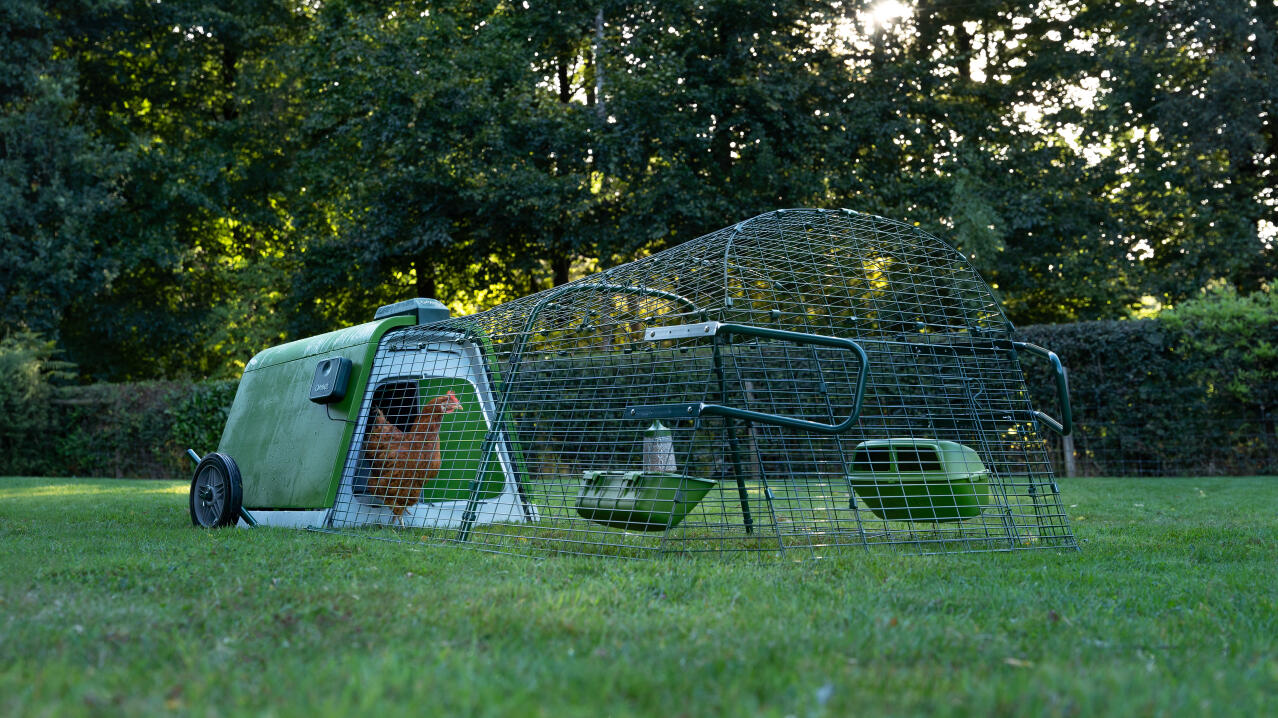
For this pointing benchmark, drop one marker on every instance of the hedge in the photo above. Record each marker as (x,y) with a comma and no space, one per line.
(137,430)
(1193,392)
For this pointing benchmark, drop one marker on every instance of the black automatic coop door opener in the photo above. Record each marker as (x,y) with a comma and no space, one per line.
(331,378)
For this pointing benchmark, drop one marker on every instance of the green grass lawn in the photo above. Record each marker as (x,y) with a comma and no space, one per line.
(110,603)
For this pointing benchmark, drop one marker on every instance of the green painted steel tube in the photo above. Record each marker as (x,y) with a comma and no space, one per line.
(797,338)
(1065,426)
(687,411)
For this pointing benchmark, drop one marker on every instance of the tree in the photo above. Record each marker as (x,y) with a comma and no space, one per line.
(1188,106)
(716,111)
(959,118)
(450,151)
(388,155)
(194,247)
(184,183)
(58,179)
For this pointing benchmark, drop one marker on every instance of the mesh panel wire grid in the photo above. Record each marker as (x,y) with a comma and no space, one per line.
(797,385)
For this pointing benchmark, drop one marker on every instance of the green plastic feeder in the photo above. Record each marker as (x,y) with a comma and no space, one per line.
(919,479)
(639,500)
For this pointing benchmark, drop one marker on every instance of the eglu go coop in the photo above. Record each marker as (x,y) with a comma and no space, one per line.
(797,384)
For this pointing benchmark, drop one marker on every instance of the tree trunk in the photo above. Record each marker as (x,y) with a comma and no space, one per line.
(963,54)
(230,57)
(721,149)
(425,277)
(561,265)
(600,111)
(589,85)
(565,91)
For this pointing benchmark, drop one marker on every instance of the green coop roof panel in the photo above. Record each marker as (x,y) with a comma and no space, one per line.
(325,343)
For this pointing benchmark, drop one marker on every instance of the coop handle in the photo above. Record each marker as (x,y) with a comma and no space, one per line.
(1065,426)
(693,410)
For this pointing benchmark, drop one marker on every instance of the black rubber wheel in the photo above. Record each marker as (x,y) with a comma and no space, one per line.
(217,493)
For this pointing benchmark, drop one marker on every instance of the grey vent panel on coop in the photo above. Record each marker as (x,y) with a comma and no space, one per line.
(425,311)
(801,384)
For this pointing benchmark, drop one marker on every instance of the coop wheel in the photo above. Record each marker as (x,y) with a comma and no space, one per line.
(217,493)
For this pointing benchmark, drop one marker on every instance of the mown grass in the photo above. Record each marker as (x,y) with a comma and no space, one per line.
(110,603)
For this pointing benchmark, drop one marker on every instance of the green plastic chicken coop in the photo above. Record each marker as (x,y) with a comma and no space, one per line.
(800,384)
(293,434)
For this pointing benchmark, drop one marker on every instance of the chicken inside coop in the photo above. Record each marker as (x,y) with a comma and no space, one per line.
(402,446)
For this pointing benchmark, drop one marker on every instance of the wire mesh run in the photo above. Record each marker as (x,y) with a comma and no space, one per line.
(796,385)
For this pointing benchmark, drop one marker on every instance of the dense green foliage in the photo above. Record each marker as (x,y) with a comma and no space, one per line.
(1231,342)
(1190,392)
(198,416)
(118,430)
(58,175)
(184,183)
(136,430)
(115,605)
(28,378)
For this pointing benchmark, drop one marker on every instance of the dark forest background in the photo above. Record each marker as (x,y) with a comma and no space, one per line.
(183,183)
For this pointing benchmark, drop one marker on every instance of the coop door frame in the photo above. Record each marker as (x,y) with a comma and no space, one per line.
(437,354)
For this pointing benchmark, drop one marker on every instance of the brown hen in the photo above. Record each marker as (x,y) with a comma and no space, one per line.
(403,461)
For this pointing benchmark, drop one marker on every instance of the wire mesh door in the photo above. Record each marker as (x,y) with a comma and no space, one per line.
(969,391)
(604,480)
